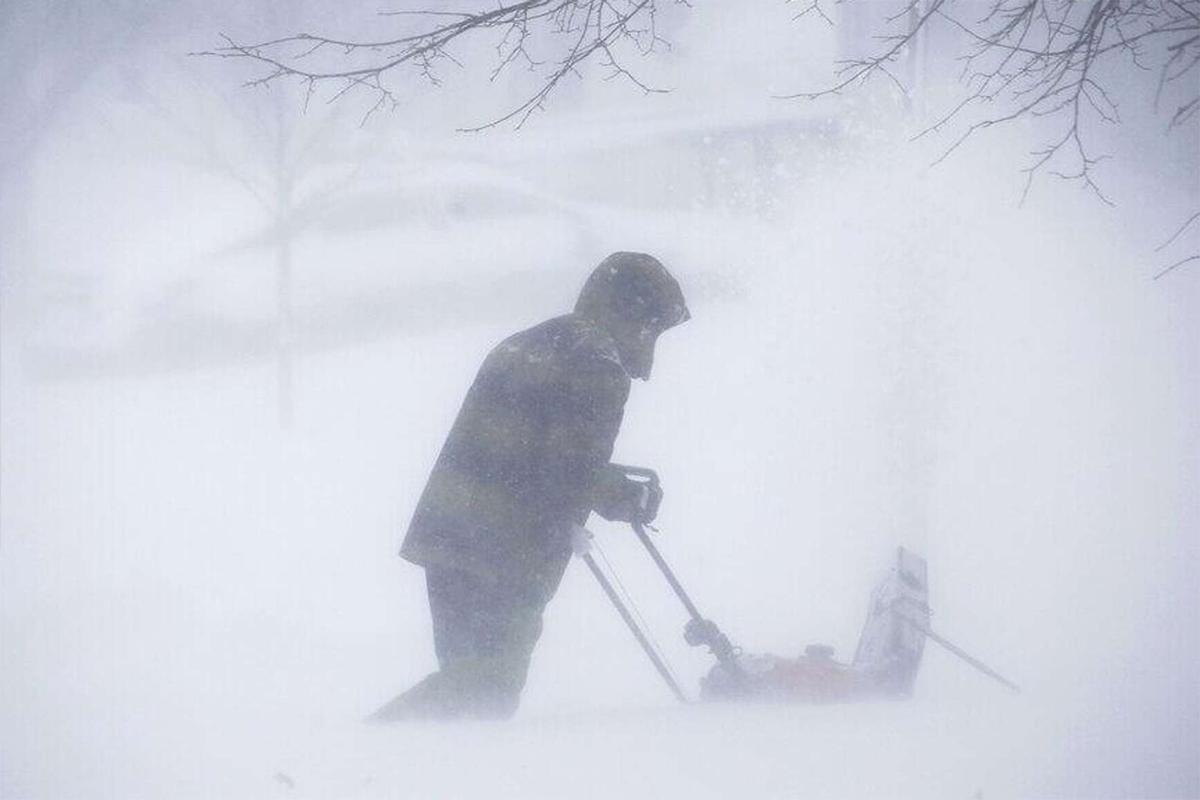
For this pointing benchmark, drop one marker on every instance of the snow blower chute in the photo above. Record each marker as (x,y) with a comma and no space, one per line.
(885,662)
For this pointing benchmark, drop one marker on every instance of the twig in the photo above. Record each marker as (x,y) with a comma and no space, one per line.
(1178,263)
(1178,233)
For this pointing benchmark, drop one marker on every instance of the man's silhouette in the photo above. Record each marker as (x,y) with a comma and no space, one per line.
(526,461)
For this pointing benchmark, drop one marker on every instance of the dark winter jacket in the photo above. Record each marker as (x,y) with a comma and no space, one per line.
(519,464)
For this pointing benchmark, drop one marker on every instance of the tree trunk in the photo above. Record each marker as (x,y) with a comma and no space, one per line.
(284,326)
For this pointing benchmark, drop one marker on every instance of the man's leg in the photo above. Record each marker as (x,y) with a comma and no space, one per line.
(443,694)
(484,637)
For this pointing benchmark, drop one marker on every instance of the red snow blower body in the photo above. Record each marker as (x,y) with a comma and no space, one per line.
(885,662)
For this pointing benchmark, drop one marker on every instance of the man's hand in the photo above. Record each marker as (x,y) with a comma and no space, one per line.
(620,498)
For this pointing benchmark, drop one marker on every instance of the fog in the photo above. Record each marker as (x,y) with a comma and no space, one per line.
(236,331)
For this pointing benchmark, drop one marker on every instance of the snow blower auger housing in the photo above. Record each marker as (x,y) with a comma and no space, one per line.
(885,662)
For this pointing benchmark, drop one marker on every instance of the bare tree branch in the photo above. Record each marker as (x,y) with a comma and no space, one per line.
(859,70)
(575,32)
(1043,59)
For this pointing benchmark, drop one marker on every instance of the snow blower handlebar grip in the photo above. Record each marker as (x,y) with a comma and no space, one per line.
(651,494)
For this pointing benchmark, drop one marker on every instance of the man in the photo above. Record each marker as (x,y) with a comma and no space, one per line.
(524,464)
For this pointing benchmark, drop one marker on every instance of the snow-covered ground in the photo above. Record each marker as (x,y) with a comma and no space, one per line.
(195,603)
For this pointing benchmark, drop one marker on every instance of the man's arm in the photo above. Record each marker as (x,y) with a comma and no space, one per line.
(583,415)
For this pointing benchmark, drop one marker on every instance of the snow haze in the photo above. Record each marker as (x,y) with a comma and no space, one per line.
(200,593)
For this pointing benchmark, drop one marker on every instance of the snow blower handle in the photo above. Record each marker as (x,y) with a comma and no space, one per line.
(699,631)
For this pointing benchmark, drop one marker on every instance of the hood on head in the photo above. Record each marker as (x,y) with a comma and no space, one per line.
(636,299)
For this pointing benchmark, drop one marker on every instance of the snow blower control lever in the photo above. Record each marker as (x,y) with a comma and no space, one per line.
(698,631)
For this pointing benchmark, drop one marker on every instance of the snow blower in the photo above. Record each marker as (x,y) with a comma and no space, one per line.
(885,662)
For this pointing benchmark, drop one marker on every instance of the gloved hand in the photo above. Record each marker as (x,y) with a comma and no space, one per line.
(619,498)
